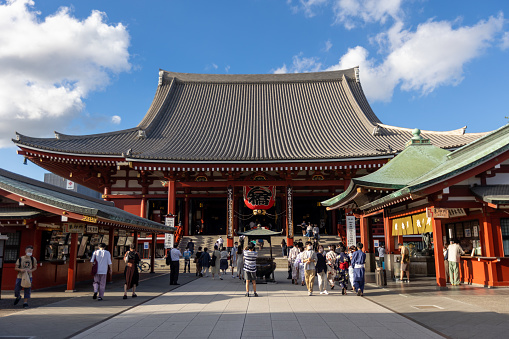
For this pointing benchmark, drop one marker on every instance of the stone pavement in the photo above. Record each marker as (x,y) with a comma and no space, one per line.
(54,314)
(207,308)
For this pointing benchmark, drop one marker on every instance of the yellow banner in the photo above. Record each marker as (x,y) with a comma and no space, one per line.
(415,224)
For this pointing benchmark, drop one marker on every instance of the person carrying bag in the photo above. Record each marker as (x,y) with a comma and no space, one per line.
(25,265)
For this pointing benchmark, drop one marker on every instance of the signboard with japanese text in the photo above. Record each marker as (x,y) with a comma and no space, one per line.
(437,213)
(92,229)
(69,185)
(230,213)
(73,228)
(289,210)
(168,240)
(351,236)
(169,221)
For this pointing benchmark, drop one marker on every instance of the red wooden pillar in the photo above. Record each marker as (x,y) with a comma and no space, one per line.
(143,207)
(438,244)
(172,197)
(389,239)
(489,246)
(107,192)
(153,252)
(186,216)
(289,216)
(364,229)
(71,271)
(497,233)
(111,247)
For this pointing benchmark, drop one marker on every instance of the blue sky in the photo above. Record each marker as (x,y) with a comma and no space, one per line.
(92,66)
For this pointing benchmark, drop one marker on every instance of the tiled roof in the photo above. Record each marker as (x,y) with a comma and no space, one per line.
(70,201)
(494,194)
(256,118)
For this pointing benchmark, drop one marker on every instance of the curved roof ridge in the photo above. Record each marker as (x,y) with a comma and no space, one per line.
(365,120)
(167,76)
(459,131)
(482,140)
(61,136)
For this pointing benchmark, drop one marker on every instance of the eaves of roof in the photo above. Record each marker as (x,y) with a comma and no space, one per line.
(72,202)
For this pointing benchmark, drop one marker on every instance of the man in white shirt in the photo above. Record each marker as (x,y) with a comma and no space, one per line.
(454,252)
(381,255)
(219,242)
(102,259)
(316,232)
(174,265)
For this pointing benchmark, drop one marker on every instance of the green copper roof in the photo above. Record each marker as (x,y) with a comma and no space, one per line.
(494,194)
(455,163)
(414,161)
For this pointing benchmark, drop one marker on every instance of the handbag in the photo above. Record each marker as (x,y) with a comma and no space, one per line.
(25,280)
(94,267)
(213,260)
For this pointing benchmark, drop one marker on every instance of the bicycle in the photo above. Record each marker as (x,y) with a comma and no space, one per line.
(144,266)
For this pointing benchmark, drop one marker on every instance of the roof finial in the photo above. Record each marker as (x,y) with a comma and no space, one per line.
(417,138)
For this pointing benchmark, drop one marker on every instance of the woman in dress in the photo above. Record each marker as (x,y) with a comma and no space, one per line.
(131,274)
(343,264)
(283,247)
(331,257)
(216,257)
(240,261)
(223,262)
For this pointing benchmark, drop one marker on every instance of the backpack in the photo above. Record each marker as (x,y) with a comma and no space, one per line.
(446,255)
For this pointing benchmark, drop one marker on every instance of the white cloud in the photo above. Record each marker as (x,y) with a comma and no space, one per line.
(227,68)
(215,66)
(50,64)
(431,56)
(349,12)
(116,119)
(307,6)
(328,45)
(300,64)
(505,41)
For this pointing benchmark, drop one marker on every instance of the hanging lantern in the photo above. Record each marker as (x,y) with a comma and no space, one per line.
(259,197)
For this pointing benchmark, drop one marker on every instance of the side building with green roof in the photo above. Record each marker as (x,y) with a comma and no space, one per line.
(459,196)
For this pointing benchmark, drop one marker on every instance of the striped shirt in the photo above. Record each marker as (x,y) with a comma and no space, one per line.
(250,261)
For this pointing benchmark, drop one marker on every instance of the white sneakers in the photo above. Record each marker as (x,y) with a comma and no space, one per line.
(310,293)
(325,292)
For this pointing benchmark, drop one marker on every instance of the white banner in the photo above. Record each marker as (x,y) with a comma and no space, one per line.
(351,236)
(168,240)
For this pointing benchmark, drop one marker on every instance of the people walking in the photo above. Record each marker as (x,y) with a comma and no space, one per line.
(351,251)
(330,258)
(316,232)
(197,261)
(358,263)
(283,247)
(215,262)
(381,256)
(240,261)
(309,259)
(233,257)
(321,270)
(101,258)
(187,260)
(292,256)
(25,265)
(131,274)
(343,265)
(190,246)
(404,263)
(250,268)
(454,252)
(174,256)
(205,263)
(219,242)
(223,262)
(309,231)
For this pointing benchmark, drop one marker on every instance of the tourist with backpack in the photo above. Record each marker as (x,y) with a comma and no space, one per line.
(25,266)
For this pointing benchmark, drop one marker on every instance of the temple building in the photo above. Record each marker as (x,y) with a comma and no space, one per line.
(461,196)
(213,147)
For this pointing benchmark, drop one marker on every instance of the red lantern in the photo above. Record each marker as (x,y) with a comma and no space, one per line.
(259,197)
